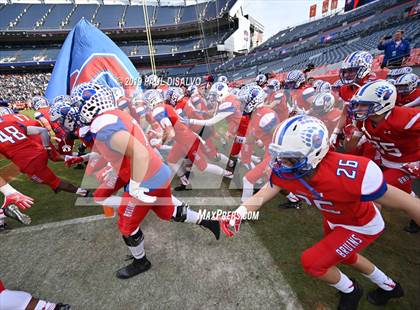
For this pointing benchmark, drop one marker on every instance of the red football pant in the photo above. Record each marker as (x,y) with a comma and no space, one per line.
(399,179)
(39,171)
(258,171)
(338,246)
(195,154)
(132,211)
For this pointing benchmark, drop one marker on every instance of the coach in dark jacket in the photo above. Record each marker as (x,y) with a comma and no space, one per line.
(395,50)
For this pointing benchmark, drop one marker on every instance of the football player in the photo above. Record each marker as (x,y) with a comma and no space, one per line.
(120,140)
(394,131)
(32,157)
(301,161)
(408,92)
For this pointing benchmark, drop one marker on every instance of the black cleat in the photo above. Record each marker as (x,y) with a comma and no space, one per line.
(136,267)
(182,188)
(4,228)
(350,301)
(380,297)
(412,227)
(213,226)
(61,306)
(290,205)
(13,212)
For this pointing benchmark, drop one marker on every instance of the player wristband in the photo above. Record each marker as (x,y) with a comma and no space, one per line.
(7,190)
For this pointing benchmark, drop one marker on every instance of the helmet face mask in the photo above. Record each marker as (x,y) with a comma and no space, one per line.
(374,98)
(350,75)
(91,100)
(298,146)
(39,102)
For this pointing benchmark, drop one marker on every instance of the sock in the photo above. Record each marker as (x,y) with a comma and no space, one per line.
(137,251)
(381,279)
(176,201)
(248,189)
(192,216)
(223,159)
(44,305)
(213,169)
(2,216)
(344,285)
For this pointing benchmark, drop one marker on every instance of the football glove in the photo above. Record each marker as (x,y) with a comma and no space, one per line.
(70,161)
(138,192)
(230,224)
(22,201)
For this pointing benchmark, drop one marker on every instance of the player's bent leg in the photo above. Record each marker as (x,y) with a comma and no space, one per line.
(13,300)
(140,263)
(387,288)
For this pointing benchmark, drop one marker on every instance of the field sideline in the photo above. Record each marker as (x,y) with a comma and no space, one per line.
(48,261)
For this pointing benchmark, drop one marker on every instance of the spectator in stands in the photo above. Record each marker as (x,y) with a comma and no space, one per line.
(395,50)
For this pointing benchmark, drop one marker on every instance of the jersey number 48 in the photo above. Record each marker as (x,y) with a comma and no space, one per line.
(11,134)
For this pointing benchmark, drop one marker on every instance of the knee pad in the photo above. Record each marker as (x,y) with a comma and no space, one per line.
(180,213)
(134,240)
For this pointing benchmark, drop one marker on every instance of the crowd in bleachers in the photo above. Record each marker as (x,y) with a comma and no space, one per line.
(19,88)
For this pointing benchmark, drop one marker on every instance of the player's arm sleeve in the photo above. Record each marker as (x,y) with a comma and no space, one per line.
(45,136)
(373,184)
(105,126)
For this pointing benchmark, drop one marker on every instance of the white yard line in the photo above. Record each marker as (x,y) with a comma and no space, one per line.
(79,220)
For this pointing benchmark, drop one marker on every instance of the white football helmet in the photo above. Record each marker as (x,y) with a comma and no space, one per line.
(39,102)
(92,100)
(323,87)
(299,144)
(220,91)
(294,79)
(6,111)
(173,95)
(274,84)
(192,89)
(337,85)
(153,98)
(70,118)
(222,79)
(374,98)
(255,98)
(153,80)
(261,79)
(55,111)
(355,67)
(406,83)
(62,99)
(323,103)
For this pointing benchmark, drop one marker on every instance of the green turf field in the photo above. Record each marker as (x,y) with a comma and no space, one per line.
(285,233)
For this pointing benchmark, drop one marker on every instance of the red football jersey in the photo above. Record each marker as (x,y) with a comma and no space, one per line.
(397,137)
(260,128)
(16,146)
(107,124)
(342,188)
(331,119)
(402,100)
(166,116)
(22,119)
(231,104)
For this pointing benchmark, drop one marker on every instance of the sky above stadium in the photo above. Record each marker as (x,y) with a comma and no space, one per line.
(279,14)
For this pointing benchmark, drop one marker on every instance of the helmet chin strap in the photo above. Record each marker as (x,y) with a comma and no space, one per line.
(310,188)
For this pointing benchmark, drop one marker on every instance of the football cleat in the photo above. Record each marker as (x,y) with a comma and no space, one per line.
(61,306)
(182,188)
(13,212)
(412,227)
(213,226)
(350,301)
(290,205)
(4,228)
(380,297)
(136,267)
